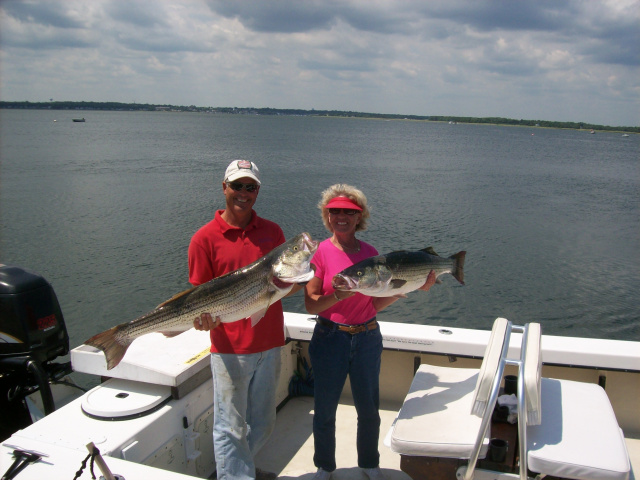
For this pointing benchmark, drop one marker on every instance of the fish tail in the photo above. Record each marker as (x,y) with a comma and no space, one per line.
(113,345)
(458,266)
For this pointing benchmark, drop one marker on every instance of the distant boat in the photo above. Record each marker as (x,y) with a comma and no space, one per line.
(625,134)
(78,119)
(592,131)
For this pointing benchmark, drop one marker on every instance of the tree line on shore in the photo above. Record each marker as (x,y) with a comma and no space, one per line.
(117,106)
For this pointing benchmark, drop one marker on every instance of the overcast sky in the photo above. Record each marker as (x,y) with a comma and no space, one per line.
(537,59)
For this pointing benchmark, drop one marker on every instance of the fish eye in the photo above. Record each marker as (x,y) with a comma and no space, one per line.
(359,273)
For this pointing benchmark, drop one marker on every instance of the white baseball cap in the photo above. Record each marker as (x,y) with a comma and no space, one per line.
(240,169)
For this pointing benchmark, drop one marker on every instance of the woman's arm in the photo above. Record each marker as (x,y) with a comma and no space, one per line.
(315,302)
(380,303)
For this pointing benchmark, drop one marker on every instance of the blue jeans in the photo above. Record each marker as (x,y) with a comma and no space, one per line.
(334,355)
(244,409)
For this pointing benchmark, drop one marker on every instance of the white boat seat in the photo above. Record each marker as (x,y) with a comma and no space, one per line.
(442,415)
(579,436)
(571,430)
(435,419)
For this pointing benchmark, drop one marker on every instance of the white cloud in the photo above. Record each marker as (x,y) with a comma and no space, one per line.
(566,61)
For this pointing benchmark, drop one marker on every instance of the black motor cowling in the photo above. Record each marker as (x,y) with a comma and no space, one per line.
(32,334)
(31,321)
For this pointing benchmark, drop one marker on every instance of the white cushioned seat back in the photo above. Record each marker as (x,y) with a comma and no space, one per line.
(435,419)
(489,368)
(579,436)
(533,374)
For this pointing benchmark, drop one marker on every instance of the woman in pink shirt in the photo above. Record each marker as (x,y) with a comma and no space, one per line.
(346,339)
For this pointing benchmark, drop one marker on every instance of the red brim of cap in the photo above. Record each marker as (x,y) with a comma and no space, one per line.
(343,202)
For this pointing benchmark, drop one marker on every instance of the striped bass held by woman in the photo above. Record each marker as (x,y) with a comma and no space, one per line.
(398,273)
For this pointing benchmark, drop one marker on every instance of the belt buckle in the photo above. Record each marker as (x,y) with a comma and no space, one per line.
(356,329)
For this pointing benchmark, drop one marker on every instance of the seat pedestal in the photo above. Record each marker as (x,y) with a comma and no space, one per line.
(434,468)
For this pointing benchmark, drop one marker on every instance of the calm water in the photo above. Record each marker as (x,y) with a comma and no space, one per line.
(550,219)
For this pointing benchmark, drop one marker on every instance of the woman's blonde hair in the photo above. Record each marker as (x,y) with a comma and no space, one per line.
(344,190)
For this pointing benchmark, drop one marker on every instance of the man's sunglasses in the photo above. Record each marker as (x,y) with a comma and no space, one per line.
(346,211)
(249,187)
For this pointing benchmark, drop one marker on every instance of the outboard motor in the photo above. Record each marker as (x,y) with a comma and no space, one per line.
(32,334)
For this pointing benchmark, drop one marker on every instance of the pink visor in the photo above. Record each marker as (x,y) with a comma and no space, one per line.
(343,202)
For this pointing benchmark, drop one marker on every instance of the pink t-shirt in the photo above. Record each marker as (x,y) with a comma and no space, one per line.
(329,261)
(218,248)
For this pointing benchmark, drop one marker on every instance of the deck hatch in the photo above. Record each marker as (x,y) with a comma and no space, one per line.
(119,399)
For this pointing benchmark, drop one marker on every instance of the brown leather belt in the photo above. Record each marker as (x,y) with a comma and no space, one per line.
(352,329)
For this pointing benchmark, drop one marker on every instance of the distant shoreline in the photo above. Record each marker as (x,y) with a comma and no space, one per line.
(116,106)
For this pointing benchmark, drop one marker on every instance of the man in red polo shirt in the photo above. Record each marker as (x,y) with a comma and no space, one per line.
(245,360)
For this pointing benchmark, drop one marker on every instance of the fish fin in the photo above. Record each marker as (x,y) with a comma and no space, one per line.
(176,296)
(113,348)
(430,251)
(397,283)
(256,317)
(458,266)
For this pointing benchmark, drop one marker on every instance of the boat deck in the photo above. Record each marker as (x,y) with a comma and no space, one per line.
(289,452)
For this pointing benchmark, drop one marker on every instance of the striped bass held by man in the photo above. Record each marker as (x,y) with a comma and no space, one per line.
(244,293)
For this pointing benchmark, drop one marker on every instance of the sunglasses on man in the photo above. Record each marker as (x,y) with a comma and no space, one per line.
(238,186)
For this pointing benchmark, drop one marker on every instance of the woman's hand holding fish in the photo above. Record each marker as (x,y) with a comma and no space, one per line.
(206,322)
(341,295)
(431,280)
